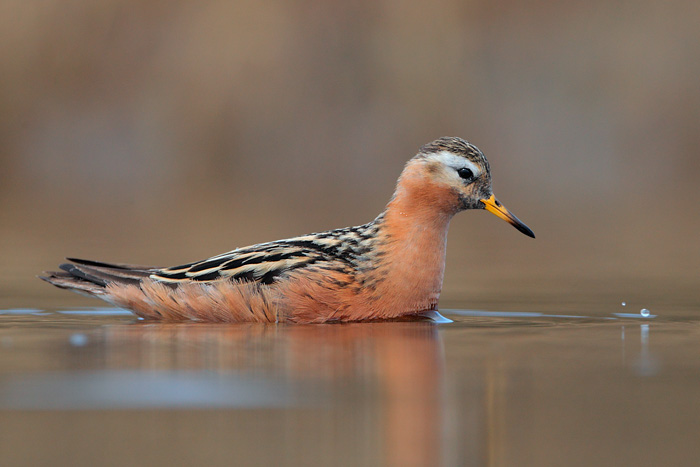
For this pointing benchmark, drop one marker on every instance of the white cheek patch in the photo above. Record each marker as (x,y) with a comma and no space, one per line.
(455,162)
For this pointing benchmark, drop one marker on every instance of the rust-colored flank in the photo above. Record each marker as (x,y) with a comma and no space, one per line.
(389,268)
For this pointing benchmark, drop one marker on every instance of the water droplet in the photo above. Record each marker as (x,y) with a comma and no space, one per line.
(78,340)
(624,303)
(645,312)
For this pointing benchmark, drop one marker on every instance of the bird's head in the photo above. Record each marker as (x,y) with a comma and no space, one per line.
(459,171)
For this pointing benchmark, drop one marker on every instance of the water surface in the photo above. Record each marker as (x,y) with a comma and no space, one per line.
(98,387)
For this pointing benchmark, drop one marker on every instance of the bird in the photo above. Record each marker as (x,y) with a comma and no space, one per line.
(389,268)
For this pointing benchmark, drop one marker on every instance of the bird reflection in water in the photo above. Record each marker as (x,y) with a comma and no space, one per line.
(389,374)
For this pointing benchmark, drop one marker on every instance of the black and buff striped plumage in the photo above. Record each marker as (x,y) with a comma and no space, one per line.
(348,250)
(342,250)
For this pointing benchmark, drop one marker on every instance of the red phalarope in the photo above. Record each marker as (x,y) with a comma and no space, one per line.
(388,268)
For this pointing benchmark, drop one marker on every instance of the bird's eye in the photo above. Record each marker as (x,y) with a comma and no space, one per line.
(465,173)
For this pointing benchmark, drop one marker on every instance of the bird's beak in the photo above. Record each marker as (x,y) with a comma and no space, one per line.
(494,206)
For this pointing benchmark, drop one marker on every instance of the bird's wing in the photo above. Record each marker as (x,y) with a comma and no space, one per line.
(266,262)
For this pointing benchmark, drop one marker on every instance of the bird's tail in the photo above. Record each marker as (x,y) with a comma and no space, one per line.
(92,277)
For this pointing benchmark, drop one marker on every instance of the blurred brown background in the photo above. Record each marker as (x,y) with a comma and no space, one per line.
(162,132)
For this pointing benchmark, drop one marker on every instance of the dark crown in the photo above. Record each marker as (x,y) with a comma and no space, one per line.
(454,145)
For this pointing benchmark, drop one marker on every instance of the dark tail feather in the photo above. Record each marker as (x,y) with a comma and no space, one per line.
(91,277)
(130,267)
(67,281)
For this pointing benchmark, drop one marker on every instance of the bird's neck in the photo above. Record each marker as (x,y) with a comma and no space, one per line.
(413,232)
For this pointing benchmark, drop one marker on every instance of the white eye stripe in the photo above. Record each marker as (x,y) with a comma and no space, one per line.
(456,162)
